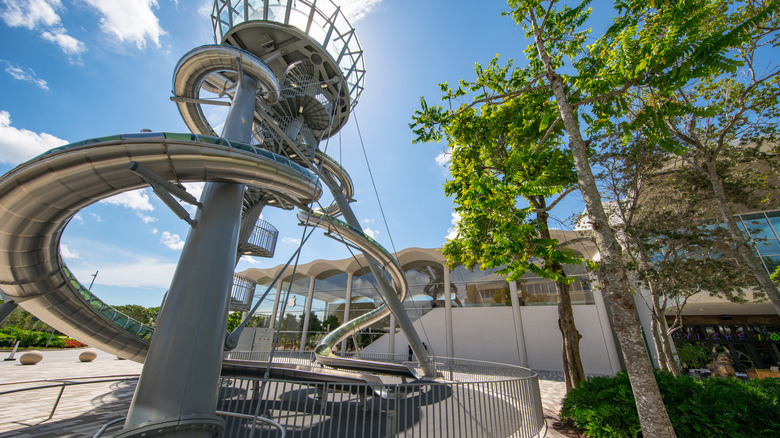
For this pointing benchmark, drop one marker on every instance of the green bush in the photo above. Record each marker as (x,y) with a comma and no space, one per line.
(7,340)
(711,408)
(27,338)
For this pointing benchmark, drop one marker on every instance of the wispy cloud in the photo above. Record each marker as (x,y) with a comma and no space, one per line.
(452,232)
(42,16)
(292,240)
(135,200)
(67,253)
(130,21)
(171,240)
(118,266)
(30,13)
(19,145)
(78,218)
(25,74)
(371,233)
(145,218)
(69,45)
(355,10)
(443,159)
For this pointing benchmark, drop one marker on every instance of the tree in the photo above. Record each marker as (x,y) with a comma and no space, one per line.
(651,43)
(331,322)
(503,173)
(138,313)
(725,120)
(663,222)
(234,319)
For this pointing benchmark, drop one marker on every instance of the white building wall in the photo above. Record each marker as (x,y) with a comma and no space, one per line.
(488,334)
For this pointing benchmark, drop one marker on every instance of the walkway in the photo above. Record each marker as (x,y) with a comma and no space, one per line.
(84,409)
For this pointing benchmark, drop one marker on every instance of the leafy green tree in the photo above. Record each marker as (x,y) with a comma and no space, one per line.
(662,219)
(234,319)
(726,120)
(503,171)
(659,44)
(331,322)
(139,313)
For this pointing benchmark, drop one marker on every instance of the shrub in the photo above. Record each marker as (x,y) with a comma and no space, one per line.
(714,407)
(72,343)
(7,340)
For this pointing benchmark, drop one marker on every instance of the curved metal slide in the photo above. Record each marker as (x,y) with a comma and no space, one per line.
(39,197)
(324,350)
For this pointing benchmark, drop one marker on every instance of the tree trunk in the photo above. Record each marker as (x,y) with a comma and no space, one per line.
(653,417)
(572,363)
(744,249)
(674,367)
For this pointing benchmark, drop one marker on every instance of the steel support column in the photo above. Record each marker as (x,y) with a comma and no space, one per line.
(522,355)
(307,315)
(449,335)
(176,395)
(347,302)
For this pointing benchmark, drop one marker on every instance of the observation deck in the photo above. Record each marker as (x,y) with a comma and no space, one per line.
(310,45)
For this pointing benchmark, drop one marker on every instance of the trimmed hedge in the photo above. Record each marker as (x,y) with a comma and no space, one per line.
(710,408)
(28,338)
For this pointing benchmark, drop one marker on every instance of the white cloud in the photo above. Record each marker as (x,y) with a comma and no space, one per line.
(443,159)
(291,240)
(155,231)
(41,15)
(119,266)
(371,233)
(195,189)
(452,232)
(19,145)
(24,74)
(96,217)
(129,20)
(30,13)
(146,219)
(171,240)
(355,10)
(78,218)
(69,45)
(205,8)
(134,200)
(67,253)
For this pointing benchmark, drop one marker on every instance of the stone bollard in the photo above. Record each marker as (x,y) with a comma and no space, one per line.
(87,355)
(31,358)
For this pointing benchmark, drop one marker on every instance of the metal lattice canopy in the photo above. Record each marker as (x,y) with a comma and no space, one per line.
(315,36)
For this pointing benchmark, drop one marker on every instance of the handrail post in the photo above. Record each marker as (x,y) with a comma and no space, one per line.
(57,402)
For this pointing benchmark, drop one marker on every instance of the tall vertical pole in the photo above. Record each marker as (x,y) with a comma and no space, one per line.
(391,349)
(522,355)
(307,315)
(176,395)
(449,335)
(277,300)
(347,302)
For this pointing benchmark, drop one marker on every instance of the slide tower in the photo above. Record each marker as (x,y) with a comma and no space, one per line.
(293,71)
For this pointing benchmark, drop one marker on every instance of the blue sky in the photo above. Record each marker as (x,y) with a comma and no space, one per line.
(72,70)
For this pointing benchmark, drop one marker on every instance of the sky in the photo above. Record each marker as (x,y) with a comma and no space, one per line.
(73,70)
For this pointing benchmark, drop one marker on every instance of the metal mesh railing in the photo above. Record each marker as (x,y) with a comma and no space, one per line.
(241,293)
(477,400)
(323,21)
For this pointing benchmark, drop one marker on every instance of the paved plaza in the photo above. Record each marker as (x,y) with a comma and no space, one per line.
(85,408)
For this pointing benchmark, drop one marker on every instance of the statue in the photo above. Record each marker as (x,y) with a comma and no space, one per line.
(722,365)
